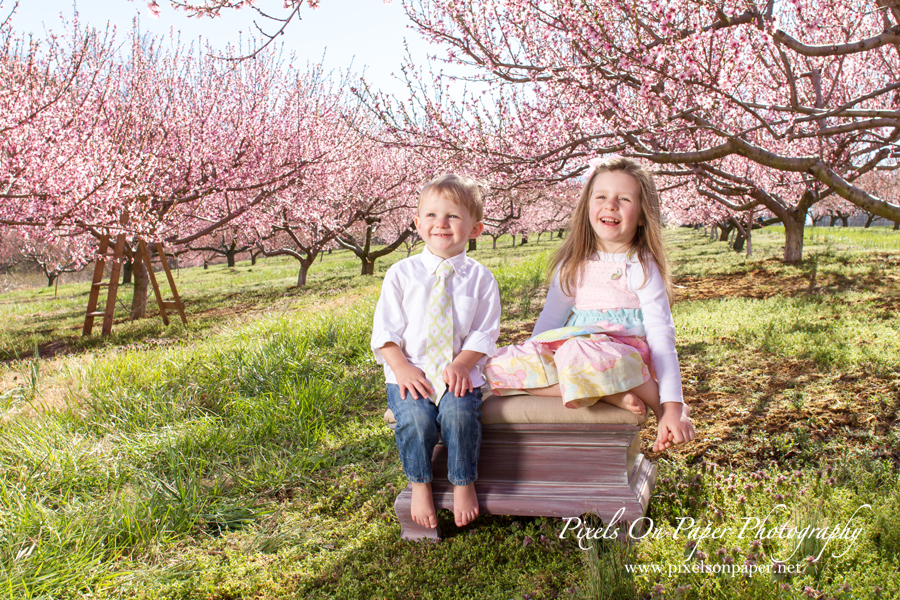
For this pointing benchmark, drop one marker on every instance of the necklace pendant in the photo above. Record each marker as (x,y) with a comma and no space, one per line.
(616,275)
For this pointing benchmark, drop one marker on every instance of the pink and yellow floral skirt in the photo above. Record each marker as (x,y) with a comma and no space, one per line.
(586,361)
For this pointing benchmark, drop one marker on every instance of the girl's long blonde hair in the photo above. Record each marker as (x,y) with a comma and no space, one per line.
(582,241)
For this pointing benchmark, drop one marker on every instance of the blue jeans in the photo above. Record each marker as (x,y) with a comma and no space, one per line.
(456,418)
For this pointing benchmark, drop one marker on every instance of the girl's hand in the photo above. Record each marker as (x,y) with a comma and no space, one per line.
(412,379)
(675,426)
(456,376)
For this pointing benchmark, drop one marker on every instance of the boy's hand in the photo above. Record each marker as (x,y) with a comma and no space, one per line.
(675,426)
(409,378)
(413,380)
(456,376)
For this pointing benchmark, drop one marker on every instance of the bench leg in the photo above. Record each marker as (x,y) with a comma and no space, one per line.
(409,529)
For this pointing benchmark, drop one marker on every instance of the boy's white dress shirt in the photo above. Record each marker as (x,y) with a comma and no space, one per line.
(401,314)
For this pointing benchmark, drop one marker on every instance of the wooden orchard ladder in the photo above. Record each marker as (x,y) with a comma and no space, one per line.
(175,303)
(97,284)
(112,285)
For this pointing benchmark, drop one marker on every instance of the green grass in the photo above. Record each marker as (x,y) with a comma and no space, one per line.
(160,445)
(244,456)
(52,318)
(852,238)
(520,282)
(833,334)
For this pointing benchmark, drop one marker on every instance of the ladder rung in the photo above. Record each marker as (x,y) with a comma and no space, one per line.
(170,304)
(98,313)
(102,284)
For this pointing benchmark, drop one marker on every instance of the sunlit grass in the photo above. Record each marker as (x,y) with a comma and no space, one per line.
(53,319)
(245,455)
(844,238)
(833,334)
(162,444)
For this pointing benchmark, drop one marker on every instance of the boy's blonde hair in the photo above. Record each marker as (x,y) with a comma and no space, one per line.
(464,192)
(582,242)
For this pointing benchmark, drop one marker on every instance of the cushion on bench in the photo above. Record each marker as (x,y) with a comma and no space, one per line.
(543,409)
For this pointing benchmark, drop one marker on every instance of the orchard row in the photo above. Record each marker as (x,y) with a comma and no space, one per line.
(750,112)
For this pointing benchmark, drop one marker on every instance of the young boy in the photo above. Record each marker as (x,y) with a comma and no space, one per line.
(436,323)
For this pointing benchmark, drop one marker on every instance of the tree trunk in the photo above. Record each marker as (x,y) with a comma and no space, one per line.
(749,232)
(844,221)
(141,283)
(896,225)
(560,234)
(833,221)
(524,240)
(495,243)
(473,244)
(230,255)
(304,269)
(127,266)
(869,220)
(368,267)
(514,241)
(51,277)
(793,236)
(739,239)
(724,232)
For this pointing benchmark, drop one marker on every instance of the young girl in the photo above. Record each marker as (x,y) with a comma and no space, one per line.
(606,331)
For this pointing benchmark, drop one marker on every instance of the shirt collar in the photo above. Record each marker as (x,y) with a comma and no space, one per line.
(431,261)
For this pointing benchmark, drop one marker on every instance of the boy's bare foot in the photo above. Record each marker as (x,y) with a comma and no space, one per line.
(627,400)
(465,504)
(422,507)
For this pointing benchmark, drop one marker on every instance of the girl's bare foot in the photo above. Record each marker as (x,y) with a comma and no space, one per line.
(627,400)
(422,507)
(465,504)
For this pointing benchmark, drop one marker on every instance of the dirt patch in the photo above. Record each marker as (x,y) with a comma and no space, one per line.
(220,312)
(768,408)
(762,283)
(758,284)
(48,350)
(54,348)
(515,332)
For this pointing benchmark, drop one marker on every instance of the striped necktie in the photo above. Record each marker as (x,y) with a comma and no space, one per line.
(439,346)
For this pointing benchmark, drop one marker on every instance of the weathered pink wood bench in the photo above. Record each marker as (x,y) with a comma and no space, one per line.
(541,459)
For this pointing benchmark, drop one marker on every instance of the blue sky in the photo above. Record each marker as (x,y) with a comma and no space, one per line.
(369,33)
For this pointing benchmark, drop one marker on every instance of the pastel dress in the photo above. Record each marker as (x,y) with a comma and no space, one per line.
(600,350)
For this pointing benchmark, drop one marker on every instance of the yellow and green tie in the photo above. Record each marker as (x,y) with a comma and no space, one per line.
(439,346)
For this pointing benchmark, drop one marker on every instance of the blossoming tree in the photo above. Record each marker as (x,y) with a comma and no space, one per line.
(761,103)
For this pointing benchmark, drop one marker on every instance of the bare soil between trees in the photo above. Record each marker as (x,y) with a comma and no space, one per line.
(763,283)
